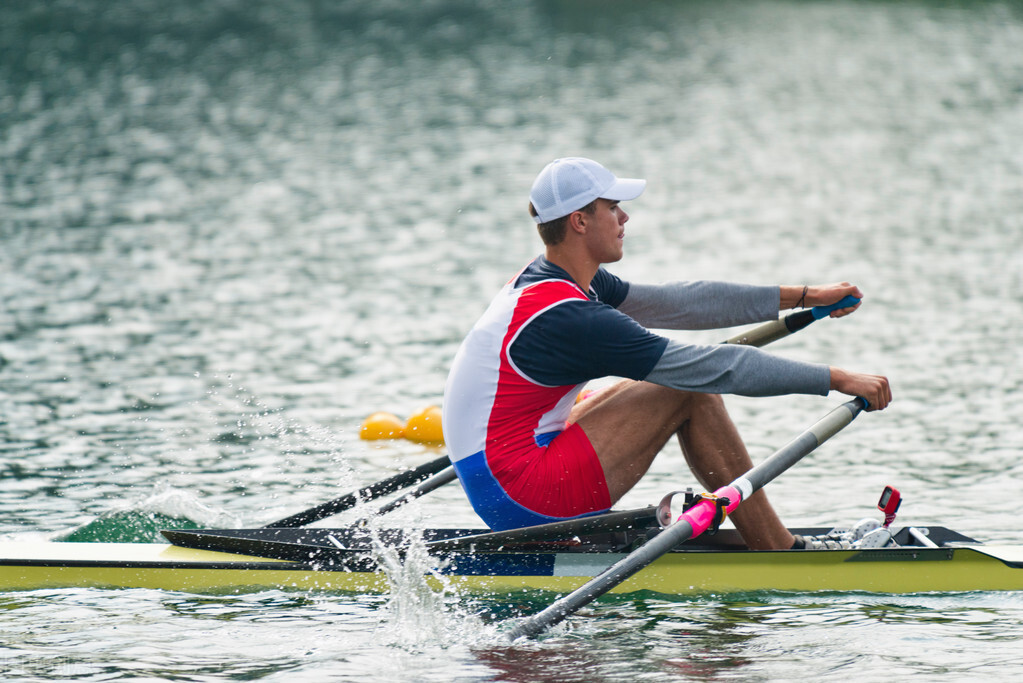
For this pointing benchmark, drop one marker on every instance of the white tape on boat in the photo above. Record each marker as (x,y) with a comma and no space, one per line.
(584,564)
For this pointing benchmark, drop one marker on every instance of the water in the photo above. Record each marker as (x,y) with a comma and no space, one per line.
(230,231)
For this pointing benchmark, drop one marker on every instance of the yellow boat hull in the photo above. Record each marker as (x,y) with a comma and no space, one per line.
(30,566)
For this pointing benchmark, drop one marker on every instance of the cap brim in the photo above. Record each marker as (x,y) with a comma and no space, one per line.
(624,189)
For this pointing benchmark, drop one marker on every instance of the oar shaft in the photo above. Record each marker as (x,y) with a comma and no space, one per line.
(763,335)
(435,482)
(381,488)
(789,454)
(693,522)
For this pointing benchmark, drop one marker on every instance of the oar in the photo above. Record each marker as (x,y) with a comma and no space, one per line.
(793,322)
(372,492)
(445,476)
(694,521)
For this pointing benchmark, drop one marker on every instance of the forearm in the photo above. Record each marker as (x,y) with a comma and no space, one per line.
(792,296)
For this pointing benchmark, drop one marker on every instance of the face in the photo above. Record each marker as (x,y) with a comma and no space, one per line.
(606,233)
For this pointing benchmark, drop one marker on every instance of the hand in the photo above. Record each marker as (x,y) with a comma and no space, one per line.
(874,388)
(825,295)
(820,295)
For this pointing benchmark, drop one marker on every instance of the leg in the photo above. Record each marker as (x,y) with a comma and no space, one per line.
(629,423)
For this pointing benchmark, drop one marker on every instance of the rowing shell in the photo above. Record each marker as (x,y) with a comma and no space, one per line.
(336,560)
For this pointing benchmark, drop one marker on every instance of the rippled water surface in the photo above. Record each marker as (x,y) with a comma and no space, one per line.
(231,230)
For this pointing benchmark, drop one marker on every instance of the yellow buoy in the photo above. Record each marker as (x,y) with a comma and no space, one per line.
(381,425)
(425,427)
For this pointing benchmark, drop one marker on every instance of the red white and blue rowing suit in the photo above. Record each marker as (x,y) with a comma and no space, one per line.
(516,377)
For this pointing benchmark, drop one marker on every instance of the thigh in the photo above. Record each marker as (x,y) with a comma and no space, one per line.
(627,425)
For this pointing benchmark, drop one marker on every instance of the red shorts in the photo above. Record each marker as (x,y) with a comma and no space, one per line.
(537,484)
(562,479)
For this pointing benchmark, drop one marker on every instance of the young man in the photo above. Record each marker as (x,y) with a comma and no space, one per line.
(527,452)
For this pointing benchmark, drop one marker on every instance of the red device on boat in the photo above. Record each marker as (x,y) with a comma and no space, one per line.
(889,504)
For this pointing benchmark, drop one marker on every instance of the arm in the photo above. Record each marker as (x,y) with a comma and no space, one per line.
(703,305)
(700,305)
(748,371)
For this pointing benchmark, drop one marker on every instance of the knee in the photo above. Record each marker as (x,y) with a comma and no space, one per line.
(692,403)
(715,401)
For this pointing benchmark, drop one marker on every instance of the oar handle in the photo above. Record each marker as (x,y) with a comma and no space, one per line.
(824,311)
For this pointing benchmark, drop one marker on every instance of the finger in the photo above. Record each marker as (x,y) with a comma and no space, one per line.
(884,394)
(844,289)
(842,312)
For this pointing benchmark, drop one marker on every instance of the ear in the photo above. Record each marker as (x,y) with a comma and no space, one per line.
(577,222)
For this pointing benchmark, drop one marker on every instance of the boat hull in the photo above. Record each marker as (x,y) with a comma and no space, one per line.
(30,566)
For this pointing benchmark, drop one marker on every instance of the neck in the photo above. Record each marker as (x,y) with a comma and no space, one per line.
(579,266)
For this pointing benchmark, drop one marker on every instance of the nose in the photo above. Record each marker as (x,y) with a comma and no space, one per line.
(622,216)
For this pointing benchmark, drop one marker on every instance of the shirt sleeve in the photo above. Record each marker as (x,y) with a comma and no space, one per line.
(610,289)
(700,305)
(577,341)
(736,369)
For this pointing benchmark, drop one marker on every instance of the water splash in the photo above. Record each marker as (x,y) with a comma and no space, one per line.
(423,610)
(140,520)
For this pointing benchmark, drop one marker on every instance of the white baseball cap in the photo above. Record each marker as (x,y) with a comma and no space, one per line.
(569,184)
